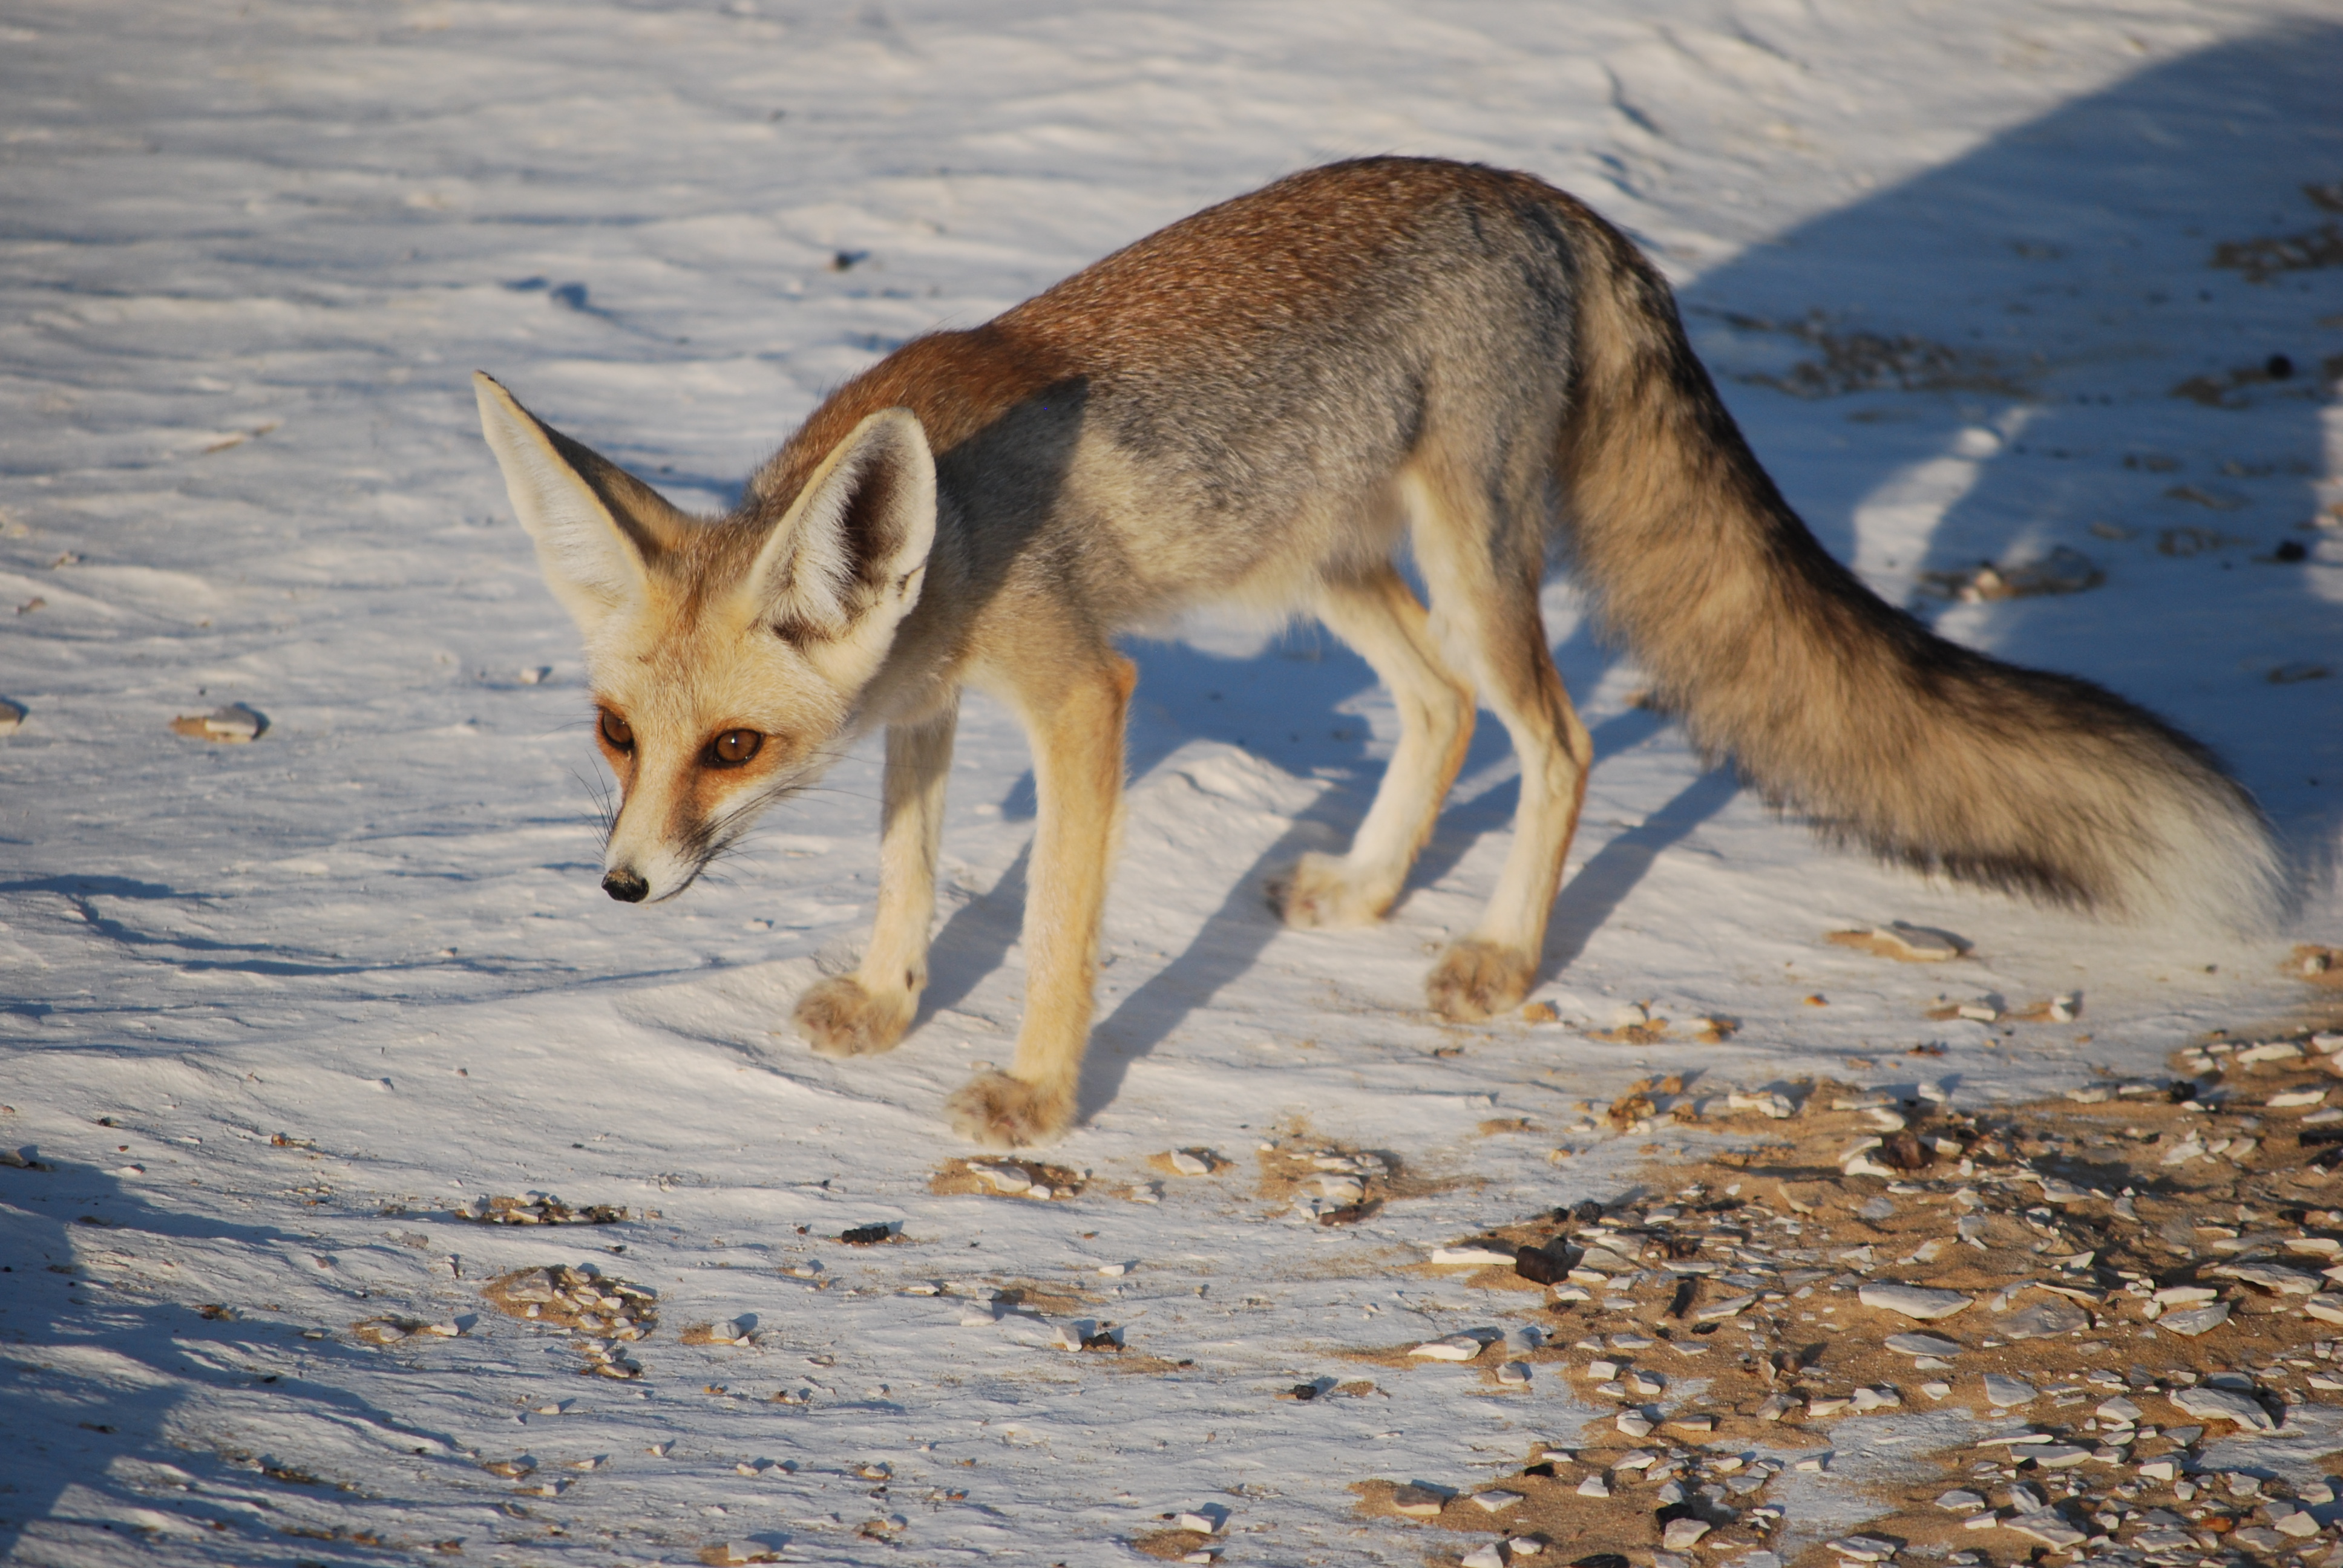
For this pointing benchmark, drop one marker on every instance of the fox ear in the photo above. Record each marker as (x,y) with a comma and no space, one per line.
(848,560)
(597,526)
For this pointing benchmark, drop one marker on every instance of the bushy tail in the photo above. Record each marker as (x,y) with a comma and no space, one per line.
(1838,705)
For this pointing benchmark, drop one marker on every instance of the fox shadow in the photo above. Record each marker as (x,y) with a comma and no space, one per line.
(2109,207)
(95,1372)
(2077,307)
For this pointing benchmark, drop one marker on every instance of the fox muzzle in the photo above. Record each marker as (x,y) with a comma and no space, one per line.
(627,887)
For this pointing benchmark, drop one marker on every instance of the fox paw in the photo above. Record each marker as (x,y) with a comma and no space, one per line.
(840,1017)
(1003,1112)
(1321,891)
(1477,980)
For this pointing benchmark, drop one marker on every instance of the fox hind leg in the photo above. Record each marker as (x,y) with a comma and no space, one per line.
(1382,622)
(1485,596)
(868,1012)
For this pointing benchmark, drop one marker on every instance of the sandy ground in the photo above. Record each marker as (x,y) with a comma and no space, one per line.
(1984,285)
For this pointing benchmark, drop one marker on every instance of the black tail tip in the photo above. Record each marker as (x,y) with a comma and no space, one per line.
(627,887)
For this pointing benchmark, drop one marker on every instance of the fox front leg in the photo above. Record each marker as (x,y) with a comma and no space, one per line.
(867,1011)
(1075,717)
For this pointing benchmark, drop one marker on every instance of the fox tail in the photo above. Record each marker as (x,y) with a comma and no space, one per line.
(1839,706)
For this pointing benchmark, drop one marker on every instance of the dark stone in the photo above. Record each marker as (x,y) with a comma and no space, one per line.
(1905,1151)
(865,1235)
(1539,1266)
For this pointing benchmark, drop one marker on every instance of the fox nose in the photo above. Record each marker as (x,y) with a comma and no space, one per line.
(627,887)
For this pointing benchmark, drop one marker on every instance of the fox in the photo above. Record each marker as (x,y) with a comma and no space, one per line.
(1277,403)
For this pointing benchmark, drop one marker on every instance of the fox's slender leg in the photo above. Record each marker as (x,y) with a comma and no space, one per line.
(1485,603)
(1380,619)
(868,1010)
(1075,722)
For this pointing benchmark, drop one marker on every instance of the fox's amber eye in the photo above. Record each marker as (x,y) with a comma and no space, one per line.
(734,747)
(617,731)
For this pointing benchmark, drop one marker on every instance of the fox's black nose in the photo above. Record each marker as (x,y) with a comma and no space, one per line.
(627,887)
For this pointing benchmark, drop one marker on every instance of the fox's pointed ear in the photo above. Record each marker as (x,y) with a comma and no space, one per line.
(597,526)
(848,560)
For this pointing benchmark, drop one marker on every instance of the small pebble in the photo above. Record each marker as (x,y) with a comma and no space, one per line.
(1482,1557)
(2045,1319)
(1682,1534)
(2224,1405)
(1913,1300)
(1515,1373)
(1188,1164)
(1454,1348)
(1496,1501)
(2007,1391)
(1474,1256)
(1418,1501)
(2195,1320)
(1594,1486)
(234,724)
(1923,1345)
(1201,1523)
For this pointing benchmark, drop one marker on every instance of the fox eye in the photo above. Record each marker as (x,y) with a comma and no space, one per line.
(617,731)
(734,747)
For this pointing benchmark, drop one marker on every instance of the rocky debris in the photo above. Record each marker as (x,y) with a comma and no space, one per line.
(536,1209)
(12,716)
(2134,1307)
(1007,1177)
(2063,570)
(397,1330)
(600,1310)
(233,724)
(1330,1185)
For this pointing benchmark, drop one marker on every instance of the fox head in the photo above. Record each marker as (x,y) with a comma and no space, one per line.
(727,657)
